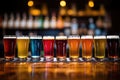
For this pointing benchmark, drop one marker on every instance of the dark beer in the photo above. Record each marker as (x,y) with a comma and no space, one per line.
(61,42)
(9,47)
(48,46)
(113,46)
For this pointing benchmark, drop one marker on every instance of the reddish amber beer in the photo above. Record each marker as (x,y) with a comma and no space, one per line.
(9,47)
(113,46)
(61,42)
(74,47)
(87,45)
(48,45)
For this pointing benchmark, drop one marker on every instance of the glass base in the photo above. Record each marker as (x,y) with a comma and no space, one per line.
(87,59)
(9,59)
(35,59)
(61,59)
(22,59)
(48,59)
(113,59)
(74,59)
(100,59)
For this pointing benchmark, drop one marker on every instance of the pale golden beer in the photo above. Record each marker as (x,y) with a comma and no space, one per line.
(87,45)
(100,46)
(23,46)
(74,47)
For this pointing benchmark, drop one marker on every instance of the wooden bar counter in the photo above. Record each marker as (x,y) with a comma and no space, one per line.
(59,70)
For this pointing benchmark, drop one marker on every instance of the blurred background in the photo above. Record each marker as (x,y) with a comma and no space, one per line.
(57,17)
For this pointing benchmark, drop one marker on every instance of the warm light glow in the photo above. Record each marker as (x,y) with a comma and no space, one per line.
(30,3)
(62,3)
(91,4)
(35,12)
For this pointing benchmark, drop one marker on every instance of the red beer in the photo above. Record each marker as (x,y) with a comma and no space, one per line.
(9,47)
(48,45)
(61,42)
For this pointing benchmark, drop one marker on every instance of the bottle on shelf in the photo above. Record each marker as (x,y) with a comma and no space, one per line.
(83,29)
(23,22)
(53,21)
(40,21)
(11,21)
(74,26)
(67,24)
(60,24)
(0,21)
(36,22)
(17,21)
(99,22)
(46,23)
(5,21)
(91,24)
(30,22)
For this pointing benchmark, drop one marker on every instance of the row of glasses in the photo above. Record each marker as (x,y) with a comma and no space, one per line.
(87,42)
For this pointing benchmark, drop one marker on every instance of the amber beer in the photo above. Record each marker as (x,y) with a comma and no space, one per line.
(100,47)
(74,47)
(113,46)
(23,46)
(48,46)
(9,47)
(87,45)
(61,42)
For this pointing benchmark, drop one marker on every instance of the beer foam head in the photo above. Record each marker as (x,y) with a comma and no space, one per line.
(74,37)
(23,37)
(48,37)
(100,37)
(112,36)
(35,37)
(87,37)
(9,37)
(61,37)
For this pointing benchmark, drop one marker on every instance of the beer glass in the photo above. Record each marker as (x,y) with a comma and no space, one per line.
(22,46)
(61,42)
(74,47)
(87,45)
(113,46)
(36,47)
(9,47)
(100,47)
(48,46)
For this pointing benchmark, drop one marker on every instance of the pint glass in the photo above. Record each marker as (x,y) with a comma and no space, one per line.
(113,46)
(22,46)
(36,47)
(9,47)
(87,45)
(100,47)
(48,46)
(74,47)
(61,42)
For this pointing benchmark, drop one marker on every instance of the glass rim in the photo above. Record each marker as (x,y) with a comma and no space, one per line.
(9,36)
(35,37)
(61,37)
(22,37)
(74,37)
(86,37)
(100,37)
(48,37)
(113,37)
